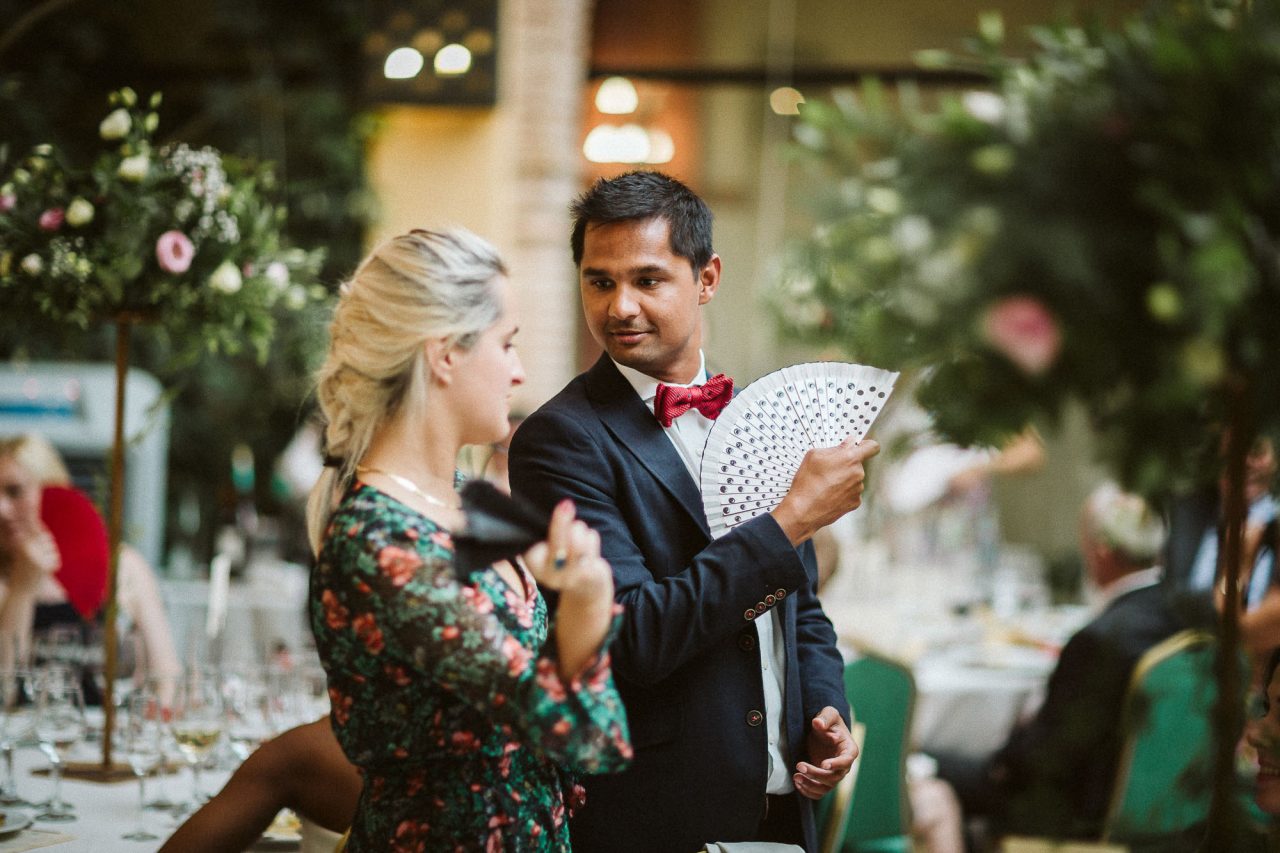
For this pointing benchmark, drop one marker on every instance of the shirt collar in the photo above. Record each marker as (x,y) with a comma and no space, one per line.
(1128,583)
(647,387)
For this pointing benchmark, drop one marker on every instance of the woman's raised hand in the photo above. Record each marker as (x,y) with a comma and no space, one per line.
(35,557)
(569,561)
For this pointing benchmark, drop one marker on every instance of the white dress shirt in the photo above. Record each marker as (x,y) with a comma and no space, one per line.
(688,434)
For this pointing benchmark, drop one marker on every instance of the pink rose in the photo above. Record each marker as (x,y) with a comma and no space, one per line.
(174,252)
(1024,331)
(7,202)
(51,219)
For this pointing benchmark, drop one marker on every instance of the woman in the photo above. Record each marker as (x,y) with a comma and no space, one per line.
(448,692)
(53,559)
(1263,734)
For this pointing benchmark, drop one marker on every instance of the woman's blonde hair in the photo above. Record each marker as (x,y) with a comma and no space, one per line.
(419,286)
(35,453)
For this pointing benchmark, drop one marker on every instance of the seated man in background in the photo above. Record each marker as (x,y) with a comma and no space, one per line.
(1054,776)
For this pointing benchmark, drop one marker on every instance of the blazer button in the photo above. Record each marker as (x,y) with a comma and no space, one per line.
(754,718)
(761,607)
(749,615)
(746,642)
(771,600)
(781,594)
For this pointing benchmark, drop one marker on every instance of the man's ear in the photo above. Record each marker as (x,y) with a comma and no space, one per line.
(709,280)
(442,359)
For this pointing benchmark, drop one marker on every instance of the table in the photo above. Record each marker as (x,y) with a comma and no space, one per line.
(107,811)
(976,674)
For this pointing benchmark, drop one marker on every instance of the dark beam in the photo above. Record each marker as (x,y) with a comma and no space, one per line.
(760,76)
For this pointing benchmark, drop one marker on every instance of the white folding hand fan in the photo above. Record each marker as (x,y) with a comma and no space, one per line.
(759,440)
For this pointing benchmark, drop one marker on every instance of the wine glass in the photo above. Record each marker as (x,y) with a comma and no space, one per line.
(247,697)
(59,724)
(17,726)
(196,723)
(143,730)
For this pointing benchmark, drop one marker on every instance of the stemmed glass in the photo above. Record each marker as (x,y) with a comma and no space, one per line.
(17,726)
(143,730)
(60,723)
(196,723)
(248,708)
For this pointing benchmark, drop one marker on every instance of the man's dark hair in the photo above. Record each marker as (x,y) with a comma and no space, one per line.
(644,195)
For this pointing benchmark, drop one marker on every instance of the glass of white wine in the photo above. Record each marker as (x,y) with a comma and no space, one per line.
(196,723)
(143,731)
(59,725)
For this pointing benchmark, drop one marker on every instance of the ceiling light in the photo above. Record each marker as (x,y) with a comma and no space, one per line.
(617,96)
(452,60)
(402,64)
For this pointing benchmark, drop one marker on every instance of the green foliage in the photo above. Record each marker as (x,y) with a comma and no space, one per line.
(1102,225)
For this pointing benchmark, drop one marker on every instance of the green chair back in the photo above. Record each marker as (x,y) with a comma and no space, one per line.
(1164,778)
(878,818)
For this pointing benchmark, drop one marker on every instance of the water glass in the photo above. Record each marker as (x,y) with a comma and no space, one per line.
(143,732)
(17,726)
(59,725)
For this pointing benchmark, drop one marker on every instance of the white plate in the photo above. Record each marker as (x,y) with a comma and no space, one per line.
(14,822)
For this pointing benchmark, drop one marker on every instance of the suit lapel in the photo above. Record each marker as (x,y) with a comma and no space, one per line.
(629,420)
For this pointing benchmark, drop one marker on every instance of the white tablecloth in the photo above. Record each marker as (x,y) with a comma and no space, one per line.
(105,812)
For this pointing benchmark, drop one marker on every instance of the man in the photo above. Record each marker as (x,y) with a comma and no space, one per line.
(1055,775)
(725,660)
(1196,532)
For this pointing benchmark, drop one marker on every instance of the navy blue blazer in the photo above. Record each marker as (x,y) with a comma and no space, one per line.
(686,659)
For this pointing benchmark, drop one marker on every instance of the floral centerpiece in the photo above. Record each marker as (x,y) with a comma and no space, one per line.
(1100,225)
(183,238)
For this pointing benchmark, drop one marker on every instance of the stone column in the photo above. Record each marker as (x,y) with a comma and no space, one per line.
(543,67)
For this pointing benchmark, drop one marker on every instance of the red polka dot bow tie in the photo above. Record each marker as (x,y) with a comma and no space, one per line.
(709,398)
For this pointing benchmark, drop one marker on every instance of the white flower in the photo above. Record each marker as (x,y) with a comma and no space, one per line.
(116,125)
(44,149)
(984,106)
(295,297)
(79,212)
(32,265)
(278,274)
(912,233)
(226,278)
(884,200)
(134,168)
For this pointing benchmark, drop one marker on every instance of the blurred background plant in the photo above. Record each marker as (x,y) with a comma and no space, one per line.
(259,80)
(1099,225)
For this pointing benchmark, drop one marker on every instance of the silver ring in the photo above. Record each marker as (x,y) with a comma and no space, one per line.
(561,559)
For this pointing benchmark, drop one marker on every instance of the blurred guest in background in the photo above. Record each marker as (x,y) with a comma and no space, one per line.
(1263,734)
(1196,539)
(448,690)
(495,469)
(1055,774)
(54,555)
(1195,535)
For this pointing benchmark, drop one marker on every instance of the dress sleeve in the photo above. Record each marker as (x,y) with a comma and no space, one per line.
(406,605)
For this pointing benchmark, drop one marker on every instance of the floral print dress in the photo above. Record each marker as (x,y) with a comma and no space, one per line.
(443,693)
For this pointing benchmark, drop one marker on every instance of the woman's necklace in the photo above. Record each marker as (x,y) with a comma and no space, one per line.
(405,483)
